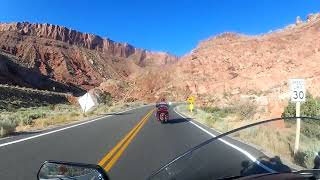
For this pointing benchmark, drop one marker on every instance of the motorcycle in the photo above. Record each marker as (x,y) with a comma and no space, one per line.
(200,161)
(162,113)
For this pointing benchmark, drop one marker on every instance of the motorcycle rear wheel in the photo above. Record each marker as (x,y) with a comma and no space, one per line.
(162,118)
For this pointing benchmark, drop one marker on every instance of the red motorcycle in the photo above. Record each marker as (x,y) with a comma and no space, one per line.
(162,113)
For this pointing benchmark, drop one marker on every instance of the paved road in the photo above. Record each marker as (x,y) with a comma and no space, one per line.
(133,144)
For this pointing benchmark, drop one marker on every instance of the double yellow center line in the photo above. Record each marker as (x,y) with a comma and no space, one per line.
(111,158)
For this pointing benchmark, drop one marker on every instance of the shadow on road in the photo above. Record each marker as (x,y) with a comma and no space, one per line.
(275,163)
(25,133)
(178,120)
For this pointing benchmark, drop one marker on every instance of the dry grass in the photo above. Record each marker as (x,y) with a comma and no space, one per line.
(57,120)
(275,141)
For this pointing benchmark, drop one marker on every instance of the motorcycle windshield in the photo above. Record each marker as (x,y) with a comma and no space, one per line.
(258,147)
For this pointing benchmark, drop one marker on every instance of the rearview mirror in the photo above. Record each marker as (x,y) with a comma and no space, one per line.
(55,170)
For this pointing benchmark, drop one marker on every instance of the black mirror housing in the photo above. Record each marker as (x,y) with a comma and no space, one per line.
(61,170)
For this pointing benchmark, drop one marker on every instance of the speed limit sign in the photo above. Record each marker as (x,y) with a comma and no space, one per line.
(298,91)
(298,95)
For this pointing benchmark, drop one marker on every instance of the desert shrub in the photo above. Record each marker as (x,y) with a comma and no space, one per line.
(245,110)
(210,120)
(210,109)
(36,115)
(25,117)
(7,126)
(218,112)
(52,107)
(105,98)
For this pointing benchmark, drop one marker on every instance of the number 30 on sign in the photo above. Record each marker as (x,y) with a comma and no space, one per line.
(298,91)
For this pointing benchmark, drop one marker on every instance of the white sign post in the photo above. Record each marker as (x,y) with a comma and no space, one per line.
(298,95)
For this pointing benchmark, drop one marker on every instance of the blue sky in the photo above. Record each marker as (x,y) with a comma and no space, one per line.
(164,25)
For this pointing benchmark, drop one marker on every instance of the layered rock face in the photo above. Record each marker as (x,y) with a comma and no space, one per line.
(89,41)
(75,58)
(72,37)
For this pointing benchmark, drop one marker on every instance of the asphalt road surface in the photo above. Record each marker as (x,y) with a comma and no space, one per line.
(129,145)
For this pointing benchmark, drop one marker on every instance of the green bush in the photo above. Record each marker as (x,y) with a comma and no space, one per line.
(105,98)
(218,112)
(210,109)
(310,108)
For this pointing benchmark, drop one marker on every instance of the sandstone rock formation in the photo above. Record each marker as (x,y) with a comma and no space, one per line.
(222,68)
(75,58)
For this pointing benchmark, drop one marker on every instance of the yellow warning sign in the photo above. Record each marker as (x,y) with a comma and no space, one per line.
(190,100)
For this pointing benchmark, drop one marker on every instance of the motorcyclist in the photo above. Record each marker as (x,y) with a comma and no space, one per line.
(161,105)
(162,102)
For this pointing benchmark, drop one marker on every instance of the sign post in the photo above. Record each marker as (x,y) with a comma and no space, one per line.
(297,140)
(191,103)
(191,107)
(298,95)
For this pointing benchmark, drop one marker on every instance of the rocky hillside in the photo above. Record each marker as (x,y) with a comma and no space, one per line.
(231,66)
(74,58)
(231,62)
(14,73)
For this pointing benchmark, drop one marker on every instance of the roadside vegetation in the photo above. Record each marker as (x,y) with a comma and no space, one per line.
(310,129)
(16,115)
(38,118)
(272,138)
(15,97)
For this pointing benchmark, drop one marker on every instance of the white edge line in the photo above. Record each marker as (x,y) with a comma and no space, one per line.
(233,146)
(62,129)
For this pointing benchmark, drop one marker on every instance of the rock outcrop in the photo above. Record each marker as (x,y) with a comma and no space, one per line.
(75,58)
(72,37)
(89,41)
(229,65)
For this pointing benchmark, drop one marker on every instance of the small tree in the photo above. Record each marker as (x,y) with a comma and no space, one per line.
(310,108)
